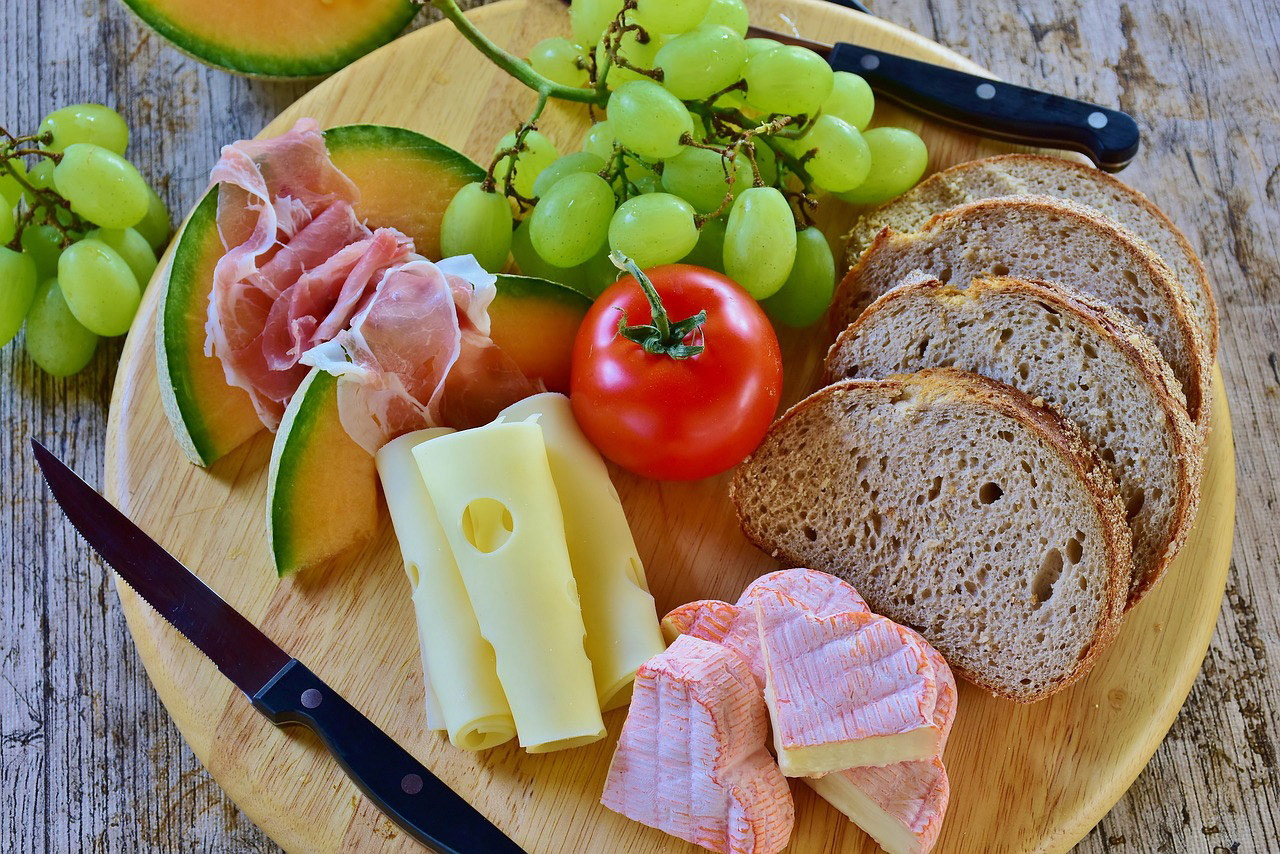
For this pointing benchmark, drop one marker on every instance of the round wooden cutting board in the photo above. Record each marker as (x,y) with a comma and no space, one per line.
(1024,778)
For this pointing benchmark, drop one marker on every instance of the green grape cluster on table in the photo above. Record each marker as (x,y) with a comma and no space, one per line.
(79,232)
(712,148)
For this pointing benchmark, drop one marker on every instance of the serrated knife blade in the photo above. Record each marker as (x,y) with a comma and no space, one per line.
(277,684)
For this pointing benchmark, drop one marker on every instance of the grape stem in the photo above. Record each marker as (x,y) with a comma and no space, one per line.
(512,153)
(513,65)
(662,337)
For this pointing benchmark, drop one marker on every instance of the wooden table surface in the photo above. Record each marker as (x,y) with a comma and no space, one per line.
(89,760)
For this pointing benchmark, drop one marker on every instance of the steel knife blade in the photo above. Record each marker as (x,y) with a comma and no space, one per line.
(277,684)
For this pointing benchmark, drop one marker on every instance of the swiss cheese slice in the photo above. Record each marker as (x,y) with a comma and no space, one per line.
(617,608)
(496,502)
(692,758)
(457,662)
(844,690)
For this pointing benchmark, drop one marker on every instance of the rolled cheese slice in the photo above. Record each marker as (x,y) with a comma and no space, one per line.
(496,501)
(458,664)
(617,608)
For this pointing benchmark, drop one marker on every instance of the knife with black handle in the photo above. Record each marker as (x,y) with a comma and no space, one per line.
(278,685)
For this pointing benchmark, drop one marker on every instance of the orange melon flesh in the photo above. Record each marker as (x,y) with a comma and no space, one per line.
(277,38)
(322,496)
(209,417)
(534,321)
(406,180)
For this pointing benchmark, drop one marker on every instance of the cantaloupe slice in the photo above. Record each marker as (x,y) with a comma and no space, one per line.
(277,38)
(406,180)
(322,493)
(322,486)
(534,321)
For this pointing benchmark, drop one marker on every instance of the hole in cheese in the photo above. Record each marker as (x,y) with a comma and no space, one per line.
(487,524)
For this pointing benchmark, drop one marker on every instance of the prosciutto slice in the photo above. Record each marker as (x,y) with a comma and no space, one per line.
(418,354)
(298,262)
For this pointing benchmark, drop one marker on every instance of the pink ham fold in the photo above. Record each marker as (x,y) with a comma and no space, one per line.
(691,760)
(298,262)
(418,354)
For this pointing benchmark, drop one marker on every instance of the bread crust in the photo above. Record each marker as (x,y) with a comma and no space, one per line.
(1061,435)
(1134,344)
(850,297)
(938,185)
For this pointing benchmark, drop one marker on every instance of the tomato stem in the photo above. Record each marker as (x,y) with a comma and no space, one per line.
(662,337)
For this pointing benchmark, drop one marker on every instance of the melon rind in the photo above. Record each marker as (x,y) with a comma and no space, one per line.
(322,494)
(383,26)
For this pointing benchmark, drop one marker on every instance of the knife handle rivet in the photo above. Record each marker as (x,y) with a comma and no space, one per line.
(1097,120)
(985,91)
(869,61)
(310,698)
(411,784)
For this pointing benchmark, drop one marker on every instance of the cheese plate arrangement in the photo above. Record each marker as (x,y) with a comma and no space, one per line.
(528,428)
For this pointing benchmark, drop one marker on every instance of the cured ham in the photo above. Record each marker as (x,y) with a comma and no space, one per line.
(844,690)
(297,264)
(418,354)
(692,760)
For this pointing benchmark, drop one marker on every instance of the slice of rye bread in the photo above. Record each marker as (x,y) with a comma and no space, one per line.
(955,505)
(1021,174)
(1038,237)
(1075,353)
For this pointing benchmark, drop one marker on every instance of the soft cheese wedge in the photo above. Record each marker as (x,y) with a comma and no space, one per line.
(844,690)
(900,806)
(692,761)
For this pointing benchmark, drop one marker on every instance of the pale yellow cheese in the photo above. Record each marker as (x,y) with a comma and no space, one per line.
(457,662)
(617,608)
(496,502)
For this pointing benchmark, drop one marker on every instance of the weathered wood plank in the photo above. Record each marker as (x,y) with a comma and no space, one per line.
(88,757)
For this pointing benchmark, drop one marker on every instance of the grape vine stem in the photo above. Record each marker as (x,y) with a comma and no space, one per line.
(513,65)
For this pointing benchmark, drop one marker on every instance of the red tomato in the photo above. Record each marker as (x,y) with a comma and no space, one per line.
(676,418)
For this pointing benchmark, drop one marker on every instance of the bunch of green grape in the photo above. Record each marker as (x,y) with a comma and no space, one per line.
(714,150)
(79,233)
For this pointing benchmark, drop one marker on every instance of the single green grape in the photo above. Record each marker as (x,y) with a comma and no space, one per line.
(43,243)
(646,184)
(898,159)
(571,222)
(596,273)
(578,161)
(755,46)
(559,60)
(590,18)
(729,13)
(101,186)
(41,178)
(155,225)
(851,99)
(841,158)
(599,140)
(8,224)
(99,288)
(10,189)
(17,289)
(702,61)
(709,250)
(477,223)
(636,53)
(654,229)
(805,295)
(760,241)
(93,123)
(56,341)
(539,153)
(530,263)
(671,16)
(132,247)
(697,175)
(648,119)
(789,79)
